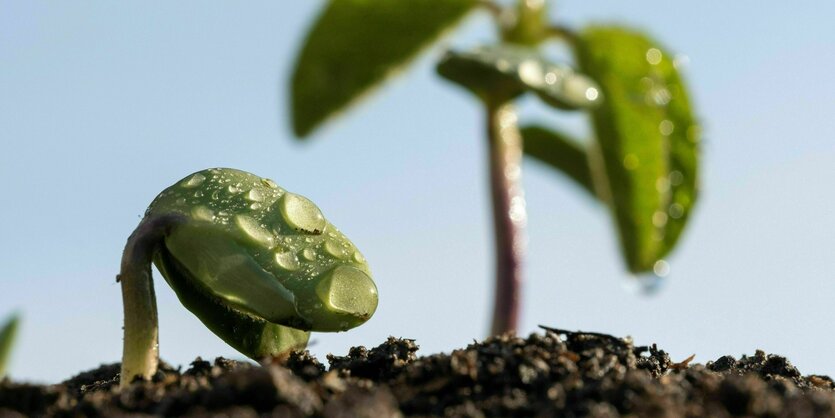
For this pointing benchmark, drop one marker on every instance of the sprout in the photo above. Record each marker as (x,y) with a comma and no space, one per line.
(8,332)
(258,265)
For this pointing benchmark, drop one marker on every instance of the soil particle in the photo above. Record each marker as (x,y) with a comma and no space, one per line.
(555,373)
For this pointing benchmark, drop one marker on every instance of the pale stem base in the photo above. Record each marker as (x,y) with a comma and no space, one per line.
(140,355)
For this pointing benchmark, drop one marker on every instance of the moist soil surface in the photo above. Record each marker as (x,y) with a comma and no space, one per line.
(555,373)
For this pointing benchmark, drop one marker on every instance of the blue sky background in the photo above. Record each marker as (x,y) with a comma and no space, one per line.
(103,105)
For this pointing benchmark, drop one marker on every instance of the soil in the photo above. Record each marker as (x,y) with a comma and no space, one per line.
(555,373)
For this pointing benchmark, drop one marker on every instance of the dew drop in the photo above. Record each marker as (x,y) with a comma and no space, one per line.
(358,257)
(676,178)
(255,206)
(666,127)
(502,65)
(254,231)
(654,56)
(194,181)
(287,260)
(662,185)
(234,188)
(551,78)
(676,211)
(269,183)
(254,196)
(530,72)
(661,268)
(659,219)
(335,249)
(302,214)
(309,254)
(644,284)
(680,60)
(198,194)
(660,96)
(348,290)
(216,195)
(580,89)
(203,213)
(181,201)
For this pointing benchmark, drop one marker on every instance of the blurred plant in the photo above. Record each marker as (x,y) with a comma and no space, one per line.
(261,267)
(642,160)
(8,333)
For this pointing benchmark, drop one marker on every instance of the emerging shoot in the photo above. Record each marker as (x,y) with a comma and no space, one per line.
(260,266)
(8,332)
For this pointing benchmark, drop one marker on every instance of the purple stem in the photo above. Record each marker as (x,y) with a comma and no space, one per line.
(509,214)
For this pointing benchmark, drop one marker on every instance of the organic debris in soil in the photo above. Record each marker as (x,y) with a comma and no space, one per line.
(558,373)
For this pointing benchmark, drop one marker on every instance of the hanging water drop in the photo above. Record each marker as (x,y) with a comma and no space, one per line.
(644,284)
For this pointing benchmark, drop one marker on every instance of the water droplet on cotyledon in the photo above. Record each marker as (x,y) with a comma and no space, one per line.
(203,213)
(309,254)
(255,196)
(335,249)
(194,181)
(302,214)
(254,231)
(287,260)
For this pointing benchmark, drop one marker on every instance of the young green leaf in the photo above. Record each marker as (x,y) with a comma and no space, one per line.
(356,44)
(648,138)
(8,333)
(505,71)
(560,152)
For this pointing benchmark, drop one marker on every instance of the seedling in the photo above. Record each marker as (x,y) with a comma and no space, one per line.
(8,333)
(260,266)
(641,161)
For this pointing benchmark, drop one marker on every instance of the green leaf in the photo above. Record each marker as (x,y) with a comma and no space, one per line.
(648,138)
(560,152)
(502,72)
(355,44)
(8,333)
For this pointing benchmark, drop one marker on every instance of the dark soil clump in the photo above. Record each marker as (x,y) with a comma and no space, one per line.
(558,373)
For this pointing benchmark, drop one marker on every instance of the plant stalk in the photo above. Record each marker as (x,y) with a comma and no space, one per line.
(140,355)
(509,213)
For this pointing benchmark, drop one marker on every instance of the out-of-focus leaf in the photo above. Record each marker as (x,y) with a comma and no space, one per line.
(648,139)
(559,151)
(7,336)
(506,71)
(356,44)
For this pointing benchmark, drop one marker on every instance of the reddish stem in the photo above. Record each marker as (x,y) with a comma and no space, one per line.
(509,214)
